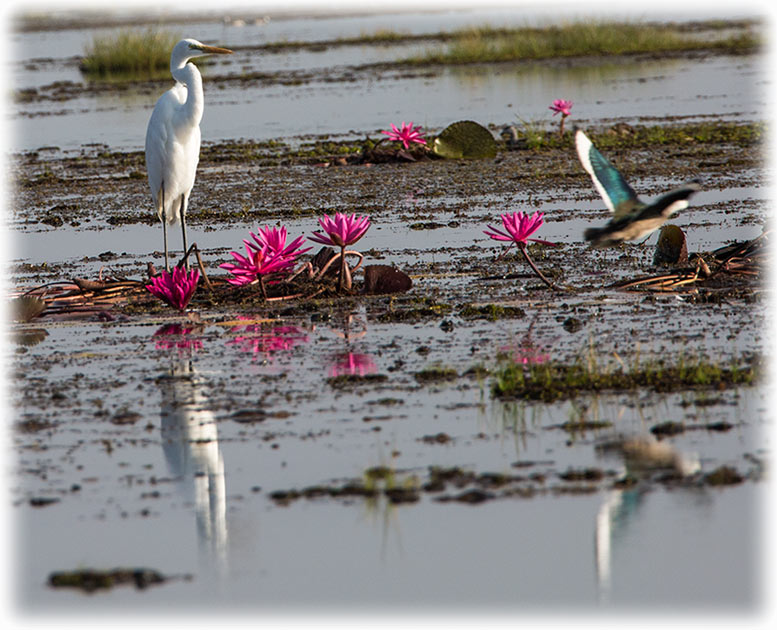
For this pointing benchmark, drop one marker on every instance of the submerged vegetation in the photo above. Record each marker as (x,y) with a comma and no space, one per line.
(130,54)
(553,380)
(488,44)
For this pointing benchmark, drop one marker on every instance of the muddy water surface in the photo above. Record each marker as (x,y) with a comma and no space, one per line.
(349,452)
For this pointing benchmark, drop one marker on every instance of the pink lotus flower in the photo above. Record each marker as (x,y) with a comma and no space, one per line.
(562,107)
(342,230)
(519,227)
(176,288)
(352,364)
(406,134)
(274,240)
(251,267)
(268,254)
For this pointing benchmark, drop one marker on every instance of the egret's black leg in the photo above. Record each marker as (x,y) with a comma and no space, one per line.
(182,214)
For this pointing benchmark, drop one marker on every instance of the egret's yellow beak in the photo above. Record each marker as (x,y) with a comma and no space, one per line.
(214,50)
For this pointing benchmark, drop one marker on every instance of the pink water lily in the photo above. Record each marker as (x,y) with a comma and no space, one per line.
(268,254)
(176,288)
(406,134)
(560,106)
(564,108)
(251,267)
(518,227)
(274,240)
(341,231)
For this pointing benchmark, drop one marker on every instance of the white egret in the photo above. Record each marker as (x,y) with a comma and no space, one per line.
(173,137)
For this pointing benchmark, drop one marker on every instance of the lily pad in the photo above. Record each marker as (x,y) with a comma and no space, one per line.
(465,139)
(671,248)
(382,279)
(27,308)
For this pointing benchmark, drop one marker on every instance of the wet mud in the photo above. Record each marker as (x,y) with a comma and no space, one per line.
(98,389)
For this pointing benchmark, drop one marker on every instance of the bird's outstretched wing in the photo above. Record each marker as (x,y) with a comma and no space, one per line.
(618,196)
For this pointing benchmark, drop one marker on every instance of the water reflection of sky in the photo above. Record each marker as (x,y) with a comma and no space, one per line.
(564,222)
(692,548)
(212,516)
(630,90)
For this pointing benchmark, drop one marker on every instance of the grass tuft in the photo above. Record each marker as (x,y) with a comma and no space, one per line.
(130,54)
(488,44)
(555,381)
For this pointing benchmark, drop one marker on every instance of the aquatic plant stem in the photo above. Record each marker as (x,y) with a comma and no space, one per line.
(522,247)
(341,257)
(196,251)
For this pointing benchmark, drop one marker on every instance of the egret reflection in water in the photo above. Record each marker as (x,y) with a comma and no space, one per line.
(642,457)
(191,447)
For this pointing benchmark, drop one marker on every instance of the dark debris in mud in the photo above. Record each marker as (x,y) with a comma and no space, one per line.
(92,580)
(460,485)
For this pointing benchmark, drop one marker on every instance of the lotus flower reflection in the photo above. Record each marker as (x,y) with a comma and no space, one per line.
(172,336)
(352,364)
(560,106)
(525,354)
(406,134)
(341,231)
(257,339)
(518,227)
(176,288)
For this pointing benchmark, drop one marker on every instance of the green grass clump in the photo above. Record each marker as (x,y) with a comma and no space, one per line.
(532,137)
(130,54)
(488,44)
(554,381)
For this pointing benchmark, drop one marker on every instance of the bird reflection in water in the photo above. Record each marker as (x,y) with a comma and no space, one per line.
(191,448)
(642,458)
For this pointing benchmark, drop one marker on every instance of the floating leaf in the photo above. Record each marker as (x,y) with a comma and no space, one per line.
(380,279)
(671,248)
(465,139)
(27,308)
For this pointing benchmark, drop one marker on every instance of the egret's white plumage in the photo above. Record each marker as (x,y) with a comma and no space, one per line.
(173,137)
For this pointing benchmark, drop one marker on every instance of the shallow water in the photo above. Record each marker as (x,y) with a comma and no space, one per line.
(627,90)
(151,464)
(193,484)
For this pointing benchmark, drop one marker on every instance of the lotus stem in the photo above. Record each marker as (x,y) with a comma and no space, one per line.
(340,256)
(525,253)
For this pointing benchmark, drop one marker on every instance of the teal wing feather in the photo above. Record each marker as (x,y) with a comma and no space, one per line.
(619,197)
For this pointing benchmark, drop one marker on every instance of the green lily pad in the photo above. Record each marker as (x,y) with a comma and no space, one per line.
(465,139)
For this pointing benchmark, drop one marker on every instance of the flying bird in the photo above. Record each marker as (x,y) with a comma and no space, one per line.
(173,137)
(632,218)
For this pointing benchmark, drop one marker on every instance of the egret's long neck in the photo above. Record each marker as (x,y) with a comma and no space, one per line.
(188,75)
